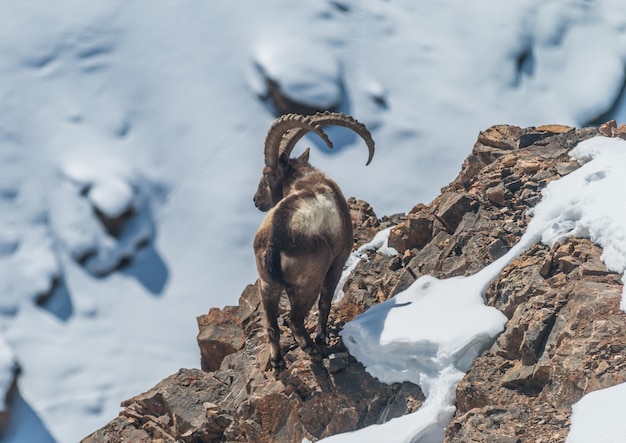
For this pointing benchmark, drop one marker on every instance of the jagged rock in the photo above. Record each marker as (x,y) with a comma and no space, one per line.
(566,333)
(242,400)
(451,207)
(221,334)
(550,354)
(417,232)
(364,220)
(245,402)
(607,129)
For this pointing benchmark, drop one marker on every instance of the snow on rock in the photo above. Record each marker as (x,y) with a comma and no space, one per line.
(586,203)
(418,353)
(112,197)
(100,213)
(599,416)
(379,243)
(437,327)
(108,186)
(428,334)
(304,72)
(28,274)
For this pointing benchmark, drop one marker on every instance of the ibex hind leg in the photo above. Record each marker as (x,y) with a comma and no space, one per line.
(270,296)
(301,301)
(326,298)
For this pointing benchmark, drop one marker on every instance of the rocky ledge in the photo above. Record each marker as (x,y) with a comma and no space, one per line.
(566,335)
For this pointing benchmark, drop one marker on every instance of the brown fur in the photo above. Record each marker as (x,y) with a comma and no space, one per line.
(306,264)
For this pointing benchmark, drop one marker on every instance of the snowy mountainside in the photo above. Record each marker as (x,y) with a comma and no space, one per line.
(155,112)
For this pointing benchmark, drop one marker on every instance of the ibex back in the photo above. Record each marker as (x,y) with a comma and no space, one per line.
(306,236)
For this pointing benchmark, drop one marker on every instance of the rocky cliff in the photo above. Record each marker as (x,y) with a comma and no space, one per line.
(566,335)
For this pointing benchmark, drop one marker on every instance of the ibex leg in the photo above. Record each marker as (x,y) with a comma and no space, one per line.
(301,302)
(270,296)
(326,298)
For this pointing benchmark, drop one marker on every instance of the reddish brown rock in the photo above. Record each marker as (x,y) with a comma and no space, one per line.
(620,131)
(450,208)
(416,232)
(244,401)
(608,129)
(220,334)
(496,195)
(364,221)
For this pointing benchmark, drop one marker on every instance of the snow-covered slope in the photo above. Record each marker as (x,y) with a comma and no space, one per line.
(154,109)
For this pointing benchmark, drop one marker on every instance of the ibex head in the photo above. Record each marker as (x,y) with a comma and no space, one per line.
(281,138)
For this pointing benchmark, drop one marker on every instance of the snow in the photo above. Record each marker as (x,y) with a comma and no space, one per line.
(599,416)
(430,333)
(379,243)
(117,107)
(585,203)
(306,70)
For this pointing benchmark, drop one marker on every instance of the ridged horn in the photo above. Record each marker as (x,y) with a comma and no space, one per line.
(283,129)
(288,142)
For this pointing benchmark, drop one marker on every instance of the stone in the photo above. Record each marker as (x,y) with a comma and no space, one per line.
(364,220)
(220,334)
(608,129)
(451,207)
(543,359)
(496,195)
(555,129)
(499,136)
(620,131)
(415,232)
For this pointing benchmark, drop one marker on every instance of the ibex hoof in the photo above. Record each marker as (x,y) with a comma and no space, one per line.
(314,353)
(278,364)
(320,339)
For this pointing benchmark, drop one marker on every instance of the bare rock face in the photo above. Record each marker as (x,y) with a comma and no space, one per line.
(242,400)
(220,335)
(566,335)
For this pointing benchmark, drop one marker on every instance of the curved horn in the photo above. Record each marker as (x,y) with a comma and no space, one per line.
(284,128)
(326,119)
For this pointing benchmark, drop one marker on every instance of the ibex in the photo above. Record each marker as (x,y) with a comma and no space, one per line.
(306,237)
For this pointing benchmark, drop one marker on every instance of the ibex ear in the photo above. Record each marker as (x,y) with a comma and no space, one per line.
(283,162)
(305,155)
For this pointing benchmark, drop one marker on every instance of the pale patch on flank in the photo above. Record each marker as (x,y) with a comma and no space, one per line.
(317,215)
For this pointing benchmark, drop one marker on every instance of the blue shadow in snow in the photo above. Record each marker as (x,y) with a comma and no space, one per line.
(149,269)
(59,303)
(375,317)
(25,425)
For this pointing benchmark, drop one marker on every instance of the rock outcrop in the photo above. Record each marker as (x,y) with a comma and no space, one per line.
(566,335)
(242,400)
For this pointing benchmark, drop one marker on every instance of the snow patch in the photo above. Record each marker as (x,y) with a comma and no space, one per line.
(599,416)
(305,71)
(379,243)
(101,216)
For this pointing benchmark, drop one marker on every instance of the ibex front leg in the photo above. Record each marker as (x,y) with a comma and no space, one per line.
(270,296)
